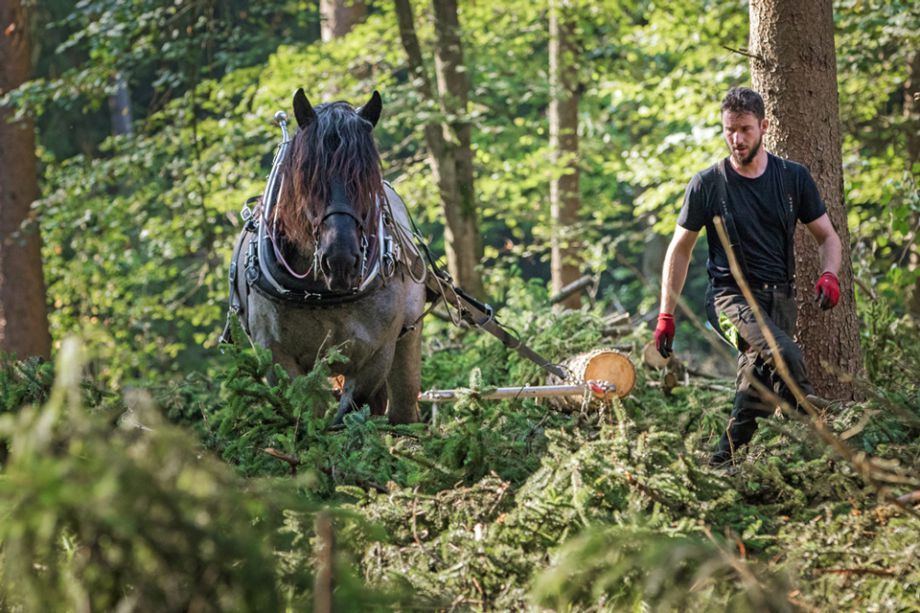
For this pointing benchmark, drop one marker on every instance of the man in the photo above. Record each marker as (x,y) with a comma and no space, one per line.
(759,197)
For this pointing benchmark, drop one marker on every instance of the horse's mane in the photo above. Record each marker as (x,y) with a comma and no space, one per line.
(337,143)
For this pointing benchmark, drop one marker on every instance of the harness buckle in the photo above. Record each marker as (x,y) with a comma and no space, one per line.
(252,267)
(390,256)
(248,214)
(364,246)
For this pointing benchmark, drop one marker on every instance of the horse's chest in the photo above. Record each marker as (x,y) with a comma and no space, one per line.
(304,333)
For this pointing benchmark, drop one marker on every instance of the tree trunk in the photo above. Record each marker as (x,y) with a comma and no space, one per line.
(338,17)
(912,130)
(794,68)
(564,194)
(23,311)
(448,138)
(120,108)
(912,110)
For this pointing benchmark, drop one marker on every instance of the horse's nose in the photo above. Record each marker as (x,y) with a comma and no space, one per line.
(341,262)
(341,270)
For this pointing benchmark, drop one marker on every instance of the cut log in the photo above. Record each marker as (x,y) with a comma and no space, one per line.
(604,365)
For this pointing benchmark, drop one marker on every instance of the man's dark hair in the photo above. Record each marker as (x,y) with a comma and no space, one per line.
(744,100)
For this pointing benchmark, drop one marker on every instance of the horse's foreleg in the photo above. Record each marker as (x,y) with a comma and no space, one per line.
(405,378)
(346,401)
(363,387)
(378,402)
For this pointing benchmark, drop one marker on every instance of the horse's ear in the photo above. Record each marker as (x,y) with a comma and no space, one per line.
(371,110)
(303,111)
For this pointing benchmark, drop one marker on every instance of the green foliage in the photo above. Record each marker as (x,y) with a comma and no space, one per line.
(25,382)
(261,406)
(856,559)
(632,568)
(492,505)
(889,346)
(123,516)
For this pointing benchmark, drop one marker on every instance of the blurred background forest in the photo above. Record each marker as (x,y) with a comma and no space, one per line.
(152,126)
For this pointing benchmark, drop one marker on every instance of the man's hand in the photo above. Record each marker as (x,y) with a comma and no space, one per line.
(664,334)
(827,290)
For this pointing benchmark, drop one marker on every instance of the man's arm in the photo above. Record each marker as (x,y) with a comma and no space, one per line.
(827,288)
(828,243)
(676,263)
(673,275)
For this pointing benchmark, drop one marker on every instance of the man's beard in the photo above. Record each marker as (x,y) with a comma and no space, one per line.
(744,161)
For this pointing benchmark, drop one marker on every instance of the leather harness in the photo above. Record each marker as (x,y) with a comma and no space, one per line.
(268,274)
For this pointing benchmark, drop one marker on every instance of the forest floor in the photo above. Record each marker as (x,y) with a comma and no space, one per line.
(484,505)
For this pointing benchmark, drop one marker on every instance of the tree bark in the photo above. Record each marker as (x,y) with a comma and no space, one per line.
(23,310)
(448,138)
(564,193)
(338,17)
(794,67)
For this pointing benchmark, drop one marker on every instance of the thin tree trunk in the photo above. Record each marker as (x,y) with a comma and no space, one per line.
(912,110)
(794,67)
(564,194)
(912,131)
(338,17)
(448,139)
(23,311)
(120,108)
(462,235)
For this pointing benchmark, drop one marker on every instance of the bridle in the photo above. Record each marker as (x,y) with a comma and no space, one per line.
(378,255)
(342,207)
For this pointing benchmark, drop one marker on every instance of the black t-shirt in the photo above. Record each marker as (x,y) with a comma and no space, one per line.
(759,211)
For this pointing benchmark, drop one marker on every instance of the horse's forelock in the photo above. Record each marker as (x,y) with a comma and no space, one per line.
(337,143)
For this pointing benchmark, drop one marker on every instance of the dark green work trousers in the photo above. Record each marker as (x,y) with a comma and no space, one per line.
(732,316)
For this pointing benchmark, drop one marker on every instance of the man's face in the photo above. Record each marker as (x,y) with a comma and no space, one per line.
(744,134)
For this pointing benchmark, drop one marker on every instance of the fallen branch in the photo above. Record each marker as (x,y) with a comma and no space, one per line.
(280,455)
(880,572)
(572,288)
(911,498)
(859,427)
(362,483)
(697,384)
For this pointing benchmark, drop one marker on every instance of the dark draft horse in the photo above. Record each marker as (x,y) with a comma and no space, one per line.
(333,218)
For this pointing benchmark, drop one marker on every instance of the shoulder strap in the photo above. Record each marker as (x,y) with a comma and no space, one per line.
(235,300)
(787,186)
(722,208)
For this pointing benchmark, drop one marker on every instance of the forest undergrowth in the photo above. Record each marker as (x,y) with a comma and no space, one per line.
(165,498)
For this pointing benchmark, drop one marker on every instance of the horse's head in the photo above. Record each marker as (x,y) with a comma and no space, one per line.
(330,202)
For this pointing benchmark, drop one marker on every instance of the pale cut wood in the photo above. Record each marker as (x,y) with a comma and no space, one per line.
(604,365)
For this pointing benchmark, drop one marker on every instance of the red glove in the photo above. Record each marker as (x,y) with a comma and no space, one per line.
(664,334)
(828,291)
